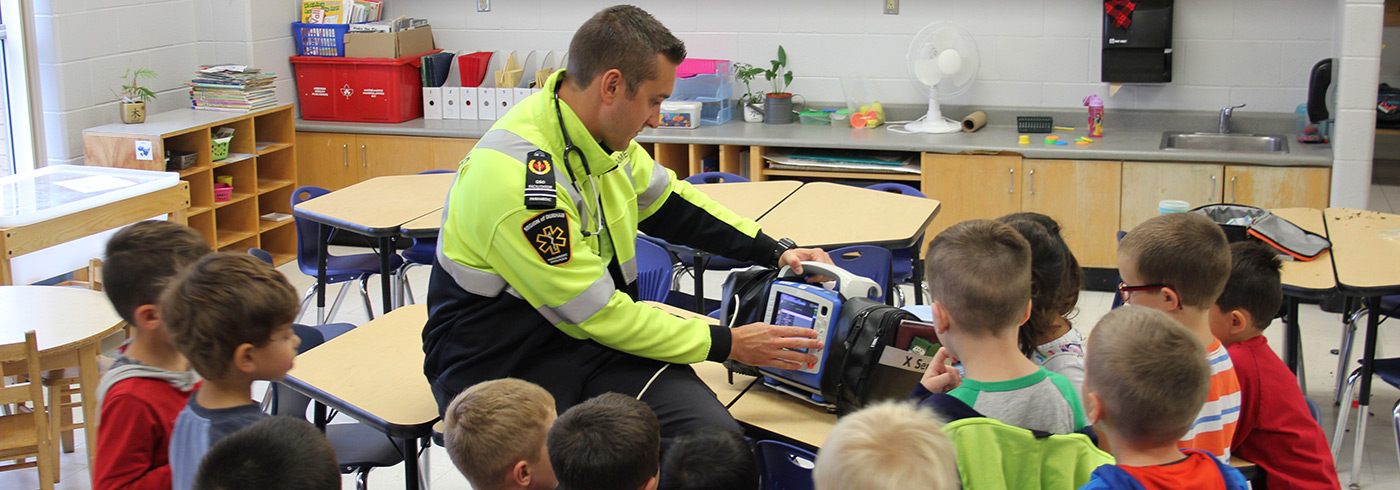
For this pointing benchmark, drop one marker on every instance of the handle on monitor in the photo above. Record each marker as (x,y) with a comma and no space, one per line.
(850,285)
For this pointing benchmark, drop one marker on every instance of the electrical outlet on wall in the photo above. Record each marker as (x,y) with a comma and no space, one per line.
(483,5)
(891,7)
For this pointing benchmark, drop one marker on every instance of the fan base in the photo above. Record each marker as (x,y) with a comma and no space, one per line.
(939,125)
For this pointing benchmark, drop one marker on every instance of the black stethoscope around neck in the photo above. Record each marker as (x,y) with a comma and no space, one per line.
(569,147)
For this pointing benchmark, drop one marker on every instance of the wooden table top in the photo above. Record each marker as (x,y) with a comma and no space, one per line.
(62,317)
(374,373)
(426,225)
(1365,245)
(379,206)
(750,199)
(823,214)
(1315,275)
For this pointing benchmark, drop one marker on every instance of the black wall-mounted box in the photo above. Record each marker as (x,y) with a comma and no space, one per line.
(1141,53)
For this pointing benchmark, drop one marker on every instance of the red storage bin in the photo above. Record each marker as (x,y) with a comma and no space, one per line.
(359,89)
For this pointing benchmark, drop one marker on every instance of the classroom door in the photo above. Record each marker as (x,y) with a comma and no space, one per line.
(1147,183)
(329,160)
(1084,196)
(1278,187)
(971,187)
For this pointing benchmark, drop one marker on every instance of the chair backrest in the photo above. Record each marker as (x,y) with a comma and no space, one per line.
(896,188)
(992,454)
(653,271)
(437,171)
(260,254)
(784,466)
(714,178)
(24,432)
(903,259)
(866,261)
(307,231)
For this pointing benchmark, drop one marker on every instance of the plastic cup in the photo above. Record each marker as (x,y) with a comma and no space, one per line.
(1167,206)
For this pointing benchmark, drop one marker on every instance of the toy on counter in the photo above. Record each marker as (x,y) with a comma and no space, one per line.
(1095,105)
(868,116)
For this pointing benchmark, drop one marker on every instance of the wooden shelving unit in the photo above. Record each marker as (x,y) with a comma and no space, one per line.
(261,161)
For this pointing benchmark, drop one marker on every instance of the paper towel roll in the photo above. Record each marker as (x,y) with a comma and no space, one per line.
(974,121)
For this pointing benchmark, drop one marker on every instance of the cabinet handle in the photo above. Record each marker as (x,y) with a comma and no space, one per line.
(1012,181)
(1031,187)
(345,155)
(1213,186)
(362,157)
(1232,188)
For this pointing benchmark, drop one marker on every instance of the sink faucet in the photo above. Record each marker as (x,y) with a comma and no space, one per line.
(1225,114)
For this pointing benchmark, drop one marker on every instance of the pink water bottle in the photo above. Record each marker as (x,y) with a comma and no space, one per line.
(1095,105)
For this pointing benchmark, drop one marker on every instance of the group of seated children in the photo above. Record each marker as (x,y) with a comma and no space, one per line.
(1179,375)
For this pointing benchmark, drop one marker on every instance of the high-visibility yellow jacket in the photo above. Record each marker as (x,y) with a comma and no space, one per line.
(519,289)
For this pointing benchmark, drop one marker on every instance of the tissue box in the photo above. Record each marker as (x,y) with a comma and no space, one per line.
(680,114)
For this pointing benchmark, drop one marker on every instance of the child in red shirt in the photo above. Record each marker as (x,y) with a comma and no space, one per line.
(1276,430)
(151,381)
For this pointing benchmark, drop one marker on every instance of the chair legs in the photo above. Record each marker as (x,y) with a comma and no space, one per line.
(1340,434)
(364,293)
(323,318)
(1360,431)
(1395,425)
(362,478)
(1344,352)
(405,290)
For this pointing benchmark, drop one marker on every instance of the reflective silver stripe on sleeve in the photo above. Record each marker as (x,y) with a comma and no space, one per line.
(583,306)
(516,147)
(475,281)
(659,180)
(629,270)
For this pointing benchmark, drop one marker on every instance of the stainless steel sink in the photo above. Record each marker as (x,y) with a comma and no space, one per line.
(1259,143)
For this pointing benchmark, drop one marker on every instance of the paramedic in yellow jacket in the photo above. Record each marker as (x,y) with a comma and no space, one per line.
(536,267)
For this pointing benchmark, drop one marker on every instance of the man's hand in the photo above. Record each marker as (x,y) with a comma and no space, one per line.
(793,259)
(761,344)
(940,377)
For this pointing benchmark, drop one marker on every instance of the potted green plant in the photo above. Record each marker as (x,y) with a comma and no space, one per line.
(134,96)
(777,105)
(751,100)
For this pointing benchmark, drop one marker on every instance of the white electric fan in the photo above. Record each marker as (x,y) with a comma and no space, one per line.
(943,61)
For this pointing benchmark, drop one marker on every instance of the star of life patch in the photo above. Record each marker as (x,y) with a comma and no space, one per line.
(548,234)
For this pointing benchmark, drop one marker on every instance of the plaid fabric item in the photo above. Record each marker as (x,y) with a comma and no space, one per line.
(1121,11)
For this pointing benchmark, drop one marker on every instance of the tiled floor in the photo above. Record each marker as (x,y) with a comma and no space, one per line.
(1321,334)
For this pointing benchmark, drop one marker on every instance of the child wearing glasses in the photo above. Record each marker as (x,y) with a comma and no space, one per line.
(1178,263)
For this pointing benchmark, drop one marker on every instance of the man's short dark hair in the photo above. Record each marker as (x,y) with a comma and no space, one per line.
(273,453)
(610,442)
(710,459)
(1254,284)
(142,258)
(621,37)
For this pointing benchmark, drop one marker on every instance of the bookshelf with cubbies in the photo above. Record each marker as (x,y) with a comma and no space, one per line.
(261,161)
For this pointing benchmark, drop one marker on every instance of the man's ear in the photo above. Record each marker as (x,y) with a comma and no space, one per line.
(519,475)
(147,317)
(243,358)
(611,86)
(941,318)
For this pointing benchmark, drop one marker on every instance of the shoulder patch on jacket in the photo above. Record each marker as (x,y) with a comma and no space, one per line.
(539,180)
(548,235)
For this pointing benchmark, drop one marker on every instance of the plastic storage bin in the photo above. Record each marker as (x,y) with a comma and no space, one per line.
(220,147)
(714,90)
(360,89)
(320,39)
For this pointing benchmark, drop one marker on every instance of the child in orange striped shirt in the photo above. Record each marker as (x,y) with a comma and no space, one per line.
(1178,263)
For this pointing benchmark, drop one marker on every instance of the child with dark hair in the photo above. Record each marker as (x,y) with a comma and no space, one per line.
(1276,430)
(1047,337)
(272,454)
(609,442)
(710,459)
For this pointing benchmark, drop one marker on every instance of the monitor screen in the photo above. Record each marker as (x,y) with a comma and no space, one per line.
(795,312)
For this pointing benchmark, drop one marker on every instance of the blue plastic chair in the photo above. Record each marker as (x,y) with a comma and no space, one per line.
(866,261)
(653,272)
(339,268)
(902,260)
(714,178)
(784,466)
(1388,370)
(422,252)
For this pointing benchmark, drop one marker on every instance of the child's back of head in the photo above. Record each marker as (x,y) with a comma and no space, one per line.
(1254,289)
(888,446)
(274,453)
(609,442)
(224,301)
(1055,276)
(710,459)
(495,434)
(980,271)
(142,258)
(1186,252)
(1145,379)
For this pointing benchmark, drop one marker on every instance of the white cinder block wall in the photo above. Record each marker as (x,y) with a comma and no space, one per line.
(1358,48)
(1036,53)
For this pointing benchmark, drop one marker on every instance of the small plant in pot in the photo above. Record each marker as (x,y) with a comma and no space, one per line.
(134,96)
(751,102)
(777,105)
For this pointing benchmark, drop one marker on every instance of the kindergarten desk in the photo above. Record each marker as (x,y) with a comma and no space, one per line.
(1313,279)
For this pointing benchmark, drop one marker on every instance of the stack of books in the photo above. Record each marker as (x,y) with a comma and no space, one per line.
(341,11)
(232,88)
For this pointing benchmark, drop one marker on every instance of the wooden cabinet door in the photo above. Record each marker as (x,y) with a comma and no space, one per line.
(395,155)
(1278,187)
(1147,183)
(449,152)
(1083,195)
(971,187)
(329,160)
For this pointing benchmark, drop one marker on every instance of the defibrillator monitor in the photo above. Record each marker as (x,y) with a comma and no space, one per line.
(807,306)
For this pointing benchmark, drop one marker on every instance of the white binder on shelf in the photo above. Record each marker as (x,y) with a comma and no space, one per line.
(432,103)
(486,103)
(522,93)
(451,97)
(505,99)
(468,103)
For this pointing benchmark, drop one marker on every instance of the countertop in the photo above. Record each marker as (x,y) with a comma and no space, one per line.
(1117,144)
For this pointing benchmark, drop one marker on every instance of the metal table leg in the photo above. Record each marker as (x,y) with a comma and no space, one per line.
(1368,359)
(322,245)
(386,252)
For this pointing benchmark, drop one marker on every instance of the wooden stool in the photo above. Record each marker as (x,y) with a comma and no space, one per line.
(62,385)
